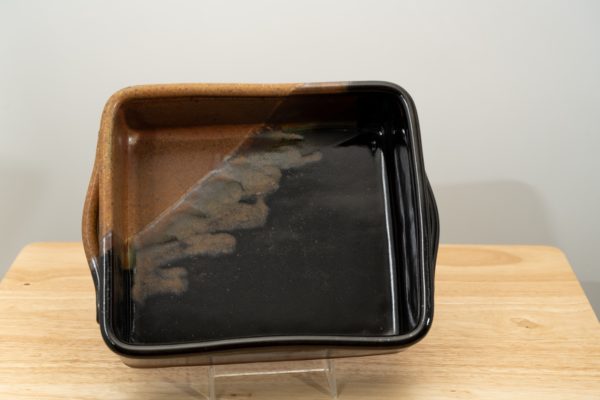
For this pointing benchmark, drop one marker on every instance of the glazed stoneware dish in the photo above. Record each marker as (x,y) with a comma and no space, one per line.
(257,222)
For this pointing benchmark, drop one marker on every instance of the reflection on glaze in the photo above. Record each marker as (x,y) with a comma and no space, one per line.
(230,198)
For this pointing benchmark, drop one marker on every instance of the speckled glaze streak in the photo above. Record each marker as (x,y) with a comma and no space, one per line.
(258,222)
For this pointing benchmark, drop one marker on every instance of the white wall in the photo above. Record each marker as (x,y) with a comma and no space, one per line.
(508,94)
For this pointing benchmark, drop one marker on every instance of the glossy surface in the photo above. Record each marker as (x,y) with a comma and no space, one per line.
(239,221)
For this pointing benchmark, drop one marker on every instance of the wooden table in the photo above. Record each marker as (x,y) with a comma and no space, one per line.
(511,322)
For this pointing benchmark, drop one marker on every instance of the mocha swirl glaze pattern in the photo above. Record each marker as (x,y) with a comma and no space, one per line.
(230,198)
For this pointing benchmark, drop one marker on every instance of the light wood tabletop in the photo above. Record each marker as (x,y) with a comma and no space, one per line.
(510,322)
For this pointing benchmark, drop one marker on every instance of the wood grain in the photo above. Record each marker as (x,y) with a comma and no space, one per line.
(511,322)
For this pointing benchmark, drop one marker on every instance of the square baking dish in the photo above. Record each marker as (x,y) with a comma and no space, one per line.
(247,222)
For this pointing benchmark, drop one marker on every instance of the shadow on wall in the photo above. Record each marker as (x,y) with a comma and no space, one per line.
(503,212)
(21,189)
(506,212)
(592,289)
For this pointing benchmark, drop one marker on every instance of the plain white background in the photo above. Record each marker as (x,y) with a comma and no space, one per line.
(508,94)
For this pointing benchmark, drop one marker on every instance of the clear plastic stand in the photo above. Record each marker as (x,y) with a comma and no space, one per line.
(328,368)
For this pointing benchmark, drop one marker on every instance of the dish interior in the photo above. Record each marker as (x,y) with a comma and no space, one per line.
(239,217)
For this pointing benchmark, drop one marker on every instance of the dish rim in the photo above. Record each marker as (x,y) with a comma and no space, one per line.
(103,272)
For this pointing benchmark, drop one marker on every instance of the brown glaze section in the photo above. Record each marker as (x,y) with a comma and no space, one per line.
(114,129)
(164,164)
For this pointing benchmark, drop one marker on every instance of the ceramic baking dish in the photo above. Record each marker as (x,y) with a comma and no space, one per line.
(254,222)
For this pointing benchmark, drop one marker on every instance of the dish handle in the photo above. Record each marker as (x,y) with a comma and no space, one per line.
(89,225)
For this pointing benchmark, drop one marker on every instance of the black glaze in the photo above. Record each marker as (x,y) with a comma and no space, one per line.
(332,292)
(318,267)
